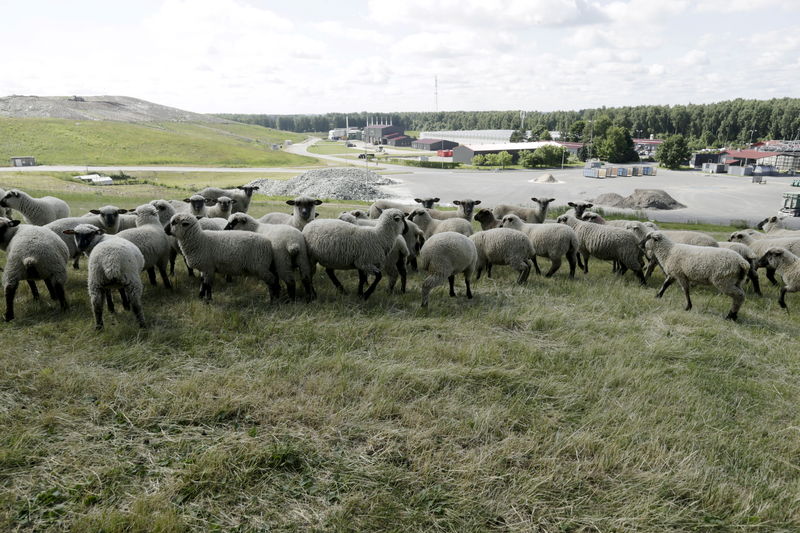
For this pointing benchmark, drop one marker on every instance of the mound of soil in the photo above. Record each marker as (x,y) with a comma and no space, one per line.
(546,178)
(640,199)
(342,183)
(609,199)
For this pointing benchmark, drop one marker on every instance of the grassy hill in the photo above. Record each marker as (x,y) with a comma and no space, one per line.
(70,142)
(563,405)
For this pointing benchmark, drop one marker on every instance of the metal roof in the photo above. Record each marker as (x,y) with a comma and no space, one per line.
(749,154)
(509,146)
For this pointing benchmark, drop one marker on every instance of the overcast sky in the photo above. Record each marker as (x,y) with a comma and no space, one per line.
(260,56)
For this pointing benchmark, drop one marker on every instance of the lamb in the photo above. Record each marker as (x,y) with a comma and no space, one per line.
(336,244)
(242,196)
(787,265)
(503,246)
(687,263)
(106,218)
(696,238)
(431,226)
(304,212)
(226,252)
(749,256)
(378,207)
(289,251)
(197,205)
(32,253)
(149,237)
(533,215)
(221,207)
(394,266)
(37,211)
(443,256)
(114,263)
(607,243)
(465,209)
(552,241)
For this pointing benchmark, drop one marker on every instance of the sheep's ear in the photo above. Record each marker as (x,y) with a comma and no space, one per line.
(187,200)
(418,200)
(548,200)
(99,231)
(69,232)
(571,204)
(198,217)
(477,202)
(317,202)
(534,199)
(94,211)
(589,205)
(378,209)
(456,202)
(14,223)
(435,199)
(290,202)
(777,252)
(316,215)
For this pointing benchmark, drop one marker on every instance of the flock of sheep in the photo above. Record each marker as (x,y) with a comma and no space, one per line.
(385,240)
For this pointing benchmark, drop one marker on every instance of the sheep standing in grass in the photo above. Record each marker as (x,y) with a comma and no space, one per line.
(288,249)
(114,263)
(532,215)
(465,209)
(749,256)
(502,246)
(220,208)
(303,213)
(760,247)
(431,226)
(339,245)
(241,195)
(787,265)
(149,237)
(233,253)
(106,218)
(443,256)
(696,238)
(607,243)
(414,237)
(690,264)
(487,220)
(552,241)
(395,265)
(578,208)
(37,211)
(194,205)
(32,253)
(378,207)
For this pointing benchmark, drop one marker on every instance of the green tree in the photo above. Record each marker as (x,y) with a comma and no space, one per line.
(478,160)
(528,159)
(491,160)
(545,136)
(517,136)
(617,146)
(673,152)
(550,155)
(504,159)
(576,130)
(583,153)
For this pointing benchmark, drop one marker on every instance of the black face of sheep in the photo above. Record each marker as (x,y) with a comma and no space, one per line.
(415,213)
(305,206)
(9,194)
(543,202)
(427,203)
(579,207)
(248,189)
(5,224)
(484,215)
(772,253)
(233,221)
(467,205)
(83,237)
(197,202)
(109,218)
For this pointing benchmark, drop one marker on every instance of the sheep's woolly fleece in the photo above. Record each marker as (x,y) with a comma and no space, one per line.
(337,183)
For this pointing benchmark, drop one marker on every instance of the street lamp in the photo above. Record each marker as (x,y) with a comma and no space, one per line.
(751,136)
(563,153)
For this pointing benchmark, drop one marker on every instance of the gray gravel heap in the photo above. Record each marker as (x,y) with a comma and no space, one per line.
(344,183)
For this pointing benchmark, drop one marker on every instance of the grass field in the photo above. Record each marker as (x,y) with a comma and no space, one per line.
(563,405)
(57,141)
(332,148)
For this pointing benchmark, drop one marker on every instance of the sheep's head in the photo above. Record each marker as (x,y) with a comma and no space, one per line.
(305,207)
(146,213)
(484,215)
(563,219)
(181,223)
(418,213)
(197,202)
(467,206)
(591,217)
(772,258)
(579,207)
(225,203)
(427,203)
(511,221)
(165,210)
(737,236)
(6,223)
(543,202)
(348,217)
(358,213)
(9,195)
(109,215)
(84,235)
(248,189)
(236,220)
(398,219)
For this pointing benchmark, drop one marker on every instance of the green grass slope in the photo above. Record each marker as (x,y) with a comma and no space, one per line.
(562,405)
(58,141)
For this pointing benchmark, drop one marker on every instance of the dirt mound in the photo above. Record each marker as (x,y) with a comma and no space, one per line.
(340,183)
(546,178)
(640,199)
(609,199)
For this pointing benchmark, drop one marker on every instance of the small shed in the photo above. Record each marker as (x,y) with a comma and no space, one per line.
(23,161)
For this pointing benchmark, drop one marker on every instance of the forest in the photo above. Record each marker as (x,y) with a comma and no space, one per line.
(733,122)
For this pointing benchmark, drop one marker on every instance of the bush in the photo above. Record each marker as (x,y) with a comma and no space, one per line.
(478,160)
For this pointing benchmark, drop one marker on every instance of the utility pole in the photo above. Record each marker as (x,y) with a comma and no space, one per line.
(436,94)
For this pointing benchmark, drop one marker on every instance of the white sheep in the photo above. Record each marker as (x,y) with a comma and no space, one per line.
(242,196)
(37,211)
(165,212)
(607,243)
(152,241)
(289,251)
(443,256)
(220,208)
(787,265)
(194,205)
(395,265)
(106,218)
(748,255)
(465,209)
(339,245)
(304,212)
(552,241)
(32,253)
(378,207)
(431,226)
(690,264)
(696,238)
(114,263)
(503,246)
(761,245)
(533,215)
(414,238)
(231,253)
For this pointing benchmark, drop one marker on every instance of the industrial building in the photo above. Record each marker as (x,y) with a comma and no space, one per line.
(386,134)
(433,144)
(745,157)
(24,161)
(647,147)
(470,136)
(464,153)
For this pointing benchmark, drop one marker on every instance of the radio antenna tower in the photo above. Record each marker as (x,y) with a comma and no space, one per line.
(436,94)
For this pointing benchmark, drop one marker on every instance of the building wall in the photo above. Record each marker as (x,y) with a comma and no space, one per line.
(463,154)
(783,162)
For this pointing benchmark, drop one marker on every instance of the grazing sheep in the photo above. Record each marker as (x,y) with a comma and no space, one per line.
(687,263)
(431,226)
(289,251)
(32,253)
(532,215)
(114,263)
(760,247)
(696,238)
(787,265)
(37,211)
(378,207)
(220,208)
(149,237)
(552,241)
(232,253)
(339,245)
(607,243)
(487,220)
(242,196)
(465,209)
(443,256)
(304,212)
(394,266)
(503,246)
(749,256)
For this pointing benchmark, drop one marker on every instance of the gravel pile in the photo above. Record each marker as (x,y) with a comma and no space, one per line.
(640,199)
(335,183)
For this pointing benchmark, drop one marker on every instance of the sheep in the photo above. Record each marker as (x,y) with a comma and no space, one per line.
(760,247)
(304,212)
(37,211)
(696,238)
(607,243)
(552,241)
(503,246)
(149,237)
(443,256)
(114,263)
(336,244)
(465,209)
(225,252)
(749,256)
(32,253)
(195,205)
(165,211)
(431,226)
(5,212)
(414,237)
(106,218)
(687,263)
(591,216)
(242,195)
(377,208)
(533,215)
(394,266)
(289,251)
(221,207)
(487,220)
(578,208)
(779,227)
(787,265)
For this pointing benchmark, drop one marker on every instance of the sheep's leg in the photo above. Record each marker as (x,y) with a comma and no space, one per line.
(274,289)
(172,256)
(430,283)
(466,282)
(11,290)
(536,266)
(771,275)
(640,275)
(782,299)
(555,264)
(97,307)
(362,280)
(76,263)
(524,269)
(188,268)
(412,261)
(452,280)
(372,287)
(332,276)
(162,270)
(667,282)
(135,297)
(620,270)
(291,290)
(579,260)
(109,301)
(151,275)
(126,304)
(401,268)
(49,285)
(308,287)
(489,270)
(651,266)
(34,289)
(61,295)
(685,285)
(571,259)
(205,286)
(585,262)
(752,274)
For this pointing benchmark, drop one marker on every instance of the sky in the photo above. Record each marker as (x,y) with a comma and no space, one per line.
(309,56)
